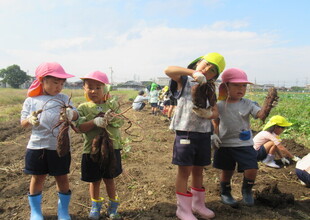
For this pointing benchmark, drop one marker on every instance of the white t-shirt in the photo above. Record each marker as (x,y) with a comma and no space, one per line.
(44,136)
(263,137)
(235,118)
(304,163)
(136,105)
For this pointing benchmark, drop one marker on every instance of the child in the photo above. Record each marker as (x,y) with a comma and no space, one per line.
(268,142)
(303,170)
(41,156)
(91,125)
(166,100)
(235,136)
(138,104)
(154,93)
(191,150)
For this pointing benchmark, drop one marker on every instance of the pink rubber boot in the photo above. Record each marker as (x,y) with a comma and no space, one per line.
(198,203)
(184,204)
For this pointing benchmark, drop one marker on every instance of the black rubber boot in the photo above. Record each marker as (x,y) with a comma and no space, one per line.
(247,192)
(226,196)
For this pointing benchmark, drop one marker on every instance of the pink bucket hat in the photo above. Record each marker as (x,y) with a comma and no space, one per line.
(232,75)
(98,76)
(46,69)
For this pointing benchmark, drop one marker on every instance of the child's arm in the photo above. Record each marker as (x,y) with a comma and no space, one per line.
(260,115)
(175,73)
(24,123)
(284,150)
(86,126)
(215,112)
(216,123)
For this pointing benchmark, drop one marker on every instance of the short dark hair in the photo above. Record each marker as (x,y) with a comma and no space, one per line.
(141,92)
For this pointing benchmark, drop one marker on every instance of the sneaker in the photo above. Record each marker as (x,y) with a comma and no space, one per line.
(271,163)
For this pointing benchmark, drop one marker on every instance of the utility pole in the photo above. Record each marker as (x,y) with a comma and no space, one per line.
(111,71)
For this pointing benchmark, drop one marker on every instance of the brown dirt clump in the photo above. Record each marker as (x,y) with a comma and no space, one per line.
(146,187)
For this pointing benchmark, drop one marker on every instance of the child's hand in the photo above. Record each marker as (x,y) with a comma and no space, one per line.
(285,161)
(68,113)
(203,112)
(33,118)
(296,159)
(215,141)
(199,77)
(103,122)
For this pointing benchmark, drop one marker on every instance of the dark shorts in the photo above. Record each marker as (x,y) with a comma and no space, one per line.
(166,102)
(226,158)
(154,105)
(192,149)
(142,106)
(261,153)
(303,176)
(173,101)
(92,172)
(41,162)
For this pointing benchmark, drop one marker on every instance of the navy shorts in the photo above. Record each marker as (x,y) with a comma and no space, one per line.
(93,172)
(154,105)
(226,158)
(261,153)
(166,102)
(41,162)
(192,149)
(173,101)
(303,176)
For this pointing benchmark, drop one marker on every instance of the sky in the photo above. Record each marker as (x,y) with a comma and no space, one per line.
(138,39)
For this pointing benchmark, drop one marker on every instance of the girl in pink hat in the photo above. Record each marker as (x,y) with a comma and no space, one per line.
(96,90)
(41,156)
(233,140)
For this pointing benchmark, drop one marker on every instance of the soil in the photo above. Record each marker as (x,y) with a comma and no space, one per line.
(146,187)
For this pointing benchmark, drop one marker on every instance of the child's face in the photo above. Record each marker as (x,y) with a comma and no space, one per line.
(236,91)
(52,85)
(278,130)
(94,90)
(209,70)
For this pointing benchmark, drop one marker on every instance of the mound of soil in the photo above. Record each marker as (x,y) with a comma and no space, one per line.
(146,187)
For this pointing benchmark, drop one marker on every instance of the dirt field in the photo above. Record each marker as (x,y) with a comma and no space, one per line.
(146,187)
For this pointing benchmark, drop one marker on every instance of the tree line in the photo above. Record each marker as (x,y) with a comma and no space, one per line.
(14,76)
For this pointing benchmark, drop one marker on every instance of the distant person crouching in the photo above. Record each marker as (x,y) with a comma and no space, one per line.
(138,104)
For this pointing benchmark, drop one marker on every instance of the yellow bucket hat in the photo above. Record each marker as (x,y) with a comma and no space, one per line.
(277,120)
(214,58)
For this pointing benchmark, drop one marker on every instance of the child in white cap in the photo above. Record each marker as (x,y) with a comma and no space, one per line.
(267,143)
(192,144)
(91,124)
(233,139)
(41,156)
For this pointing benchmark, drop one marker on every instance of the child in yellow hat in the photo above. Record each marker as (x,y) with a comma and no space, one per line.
(267,143)
(192,145)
